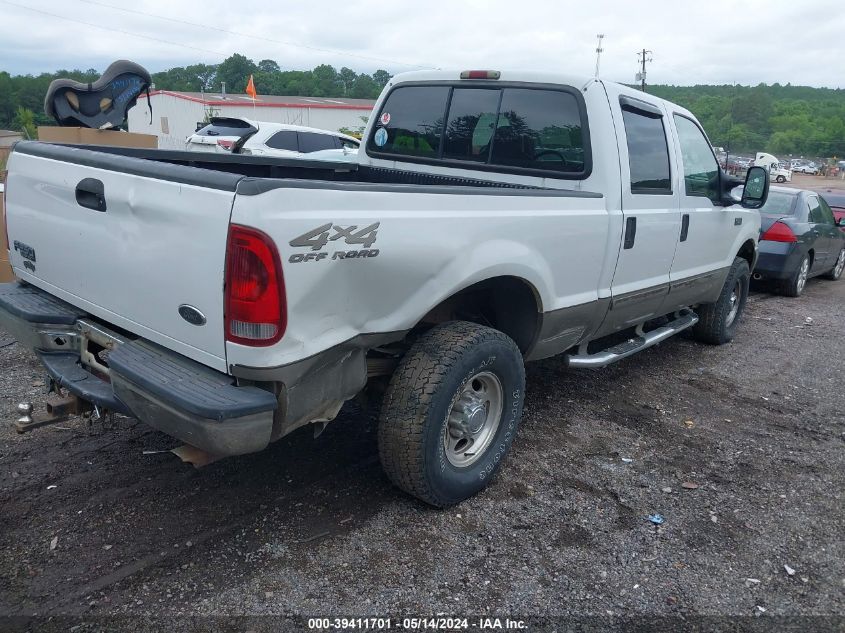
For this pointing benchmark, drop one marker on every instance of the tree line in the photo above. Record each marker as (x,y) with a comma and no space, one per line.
(781,119)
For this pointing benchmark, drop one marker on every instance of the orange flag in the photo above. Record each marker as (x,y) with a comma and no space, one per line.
(250,88)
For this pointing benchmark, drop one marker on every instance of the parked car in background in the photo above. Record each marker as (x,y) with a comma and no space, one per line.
(243,136)
(806,169)
(836,202)
(798,240)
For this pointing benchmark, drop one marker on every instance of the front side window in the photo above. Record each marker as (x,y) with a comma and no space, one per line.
(517,128)
(701,171)
(648,153)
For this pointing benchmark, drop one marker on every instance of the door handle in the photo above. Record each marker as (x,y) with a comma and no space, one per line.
(630,232)
(91,194)
(684,227)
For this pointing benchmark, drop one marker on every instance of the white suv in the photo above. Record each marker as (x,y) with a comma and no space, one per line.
(244,136)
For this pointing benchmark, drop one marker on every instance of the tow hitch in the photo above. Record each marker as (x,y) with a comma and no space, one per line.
(58,408)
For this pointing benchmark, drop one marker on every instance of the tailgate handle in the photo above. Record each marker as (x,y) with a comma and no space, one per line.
(90,193)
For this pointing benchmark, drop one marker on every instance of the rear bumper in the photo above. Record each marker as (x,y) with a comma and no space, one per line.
(171,393)
(777,260)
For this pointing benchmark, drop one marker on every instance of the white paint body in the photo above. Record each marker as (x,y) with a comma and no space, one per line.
(163,244)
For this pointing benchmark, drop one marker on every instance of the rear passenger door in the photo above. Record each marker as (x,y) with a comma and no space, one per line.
(650,209)
(823,235)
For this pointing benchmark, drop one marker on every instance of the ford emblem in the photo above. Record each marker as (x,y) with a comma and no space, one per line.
(191,315)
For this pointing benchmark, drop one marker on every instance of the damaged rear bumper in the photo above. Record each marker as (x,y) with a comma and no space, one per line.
(171,393)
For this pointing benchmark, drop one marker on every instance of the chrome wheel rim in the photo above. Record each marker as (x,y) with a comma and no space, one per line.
(840,264)
(473,419)
(733,302)
(802,274)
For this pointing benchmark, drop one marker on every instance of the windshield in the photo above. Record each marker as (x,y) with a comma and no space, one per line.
(779,203)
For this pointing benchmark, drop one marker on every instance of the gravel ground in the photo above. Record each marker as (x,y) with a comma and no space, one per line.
(739,447)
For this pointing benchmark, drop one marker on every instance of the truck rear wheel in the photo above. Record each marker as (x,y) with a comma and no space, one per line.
(451,412)
(717,321)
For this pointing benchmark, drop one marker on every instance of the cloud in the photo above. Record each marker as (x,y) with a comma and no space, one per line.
(714,42)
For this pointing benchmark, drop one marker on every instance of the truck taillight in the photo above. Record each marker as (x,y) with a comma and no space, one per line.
(779,232)
(256,310)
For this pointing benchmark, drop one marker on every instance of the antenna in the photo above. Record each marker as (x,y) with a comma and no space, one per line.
(599,51)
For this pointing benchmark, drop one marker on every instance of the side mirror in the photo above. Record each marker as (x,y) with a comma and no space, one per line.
(756,189)
(841,222)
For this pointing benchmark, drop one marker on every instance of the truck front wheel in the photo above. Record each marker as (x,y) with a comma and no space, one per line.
(451,412)
(717,321)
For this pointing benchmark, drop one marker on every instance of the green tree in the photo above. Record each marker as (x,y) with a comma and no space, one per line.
(24,122)
(234,71)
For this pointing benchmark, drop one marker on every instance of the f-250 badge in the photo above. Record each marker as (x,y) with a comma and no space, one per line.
(317,238)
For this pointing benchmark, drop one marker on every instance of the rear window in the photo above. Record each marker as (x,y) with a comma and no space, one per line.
(502,129)
(226,127)
(779,203)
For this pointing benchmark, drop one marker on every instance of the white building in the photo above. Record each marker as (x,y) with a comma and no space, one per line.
(176,115)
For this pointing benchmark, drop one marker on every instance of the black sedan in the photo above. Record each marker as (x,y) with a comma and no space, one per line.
(799,239)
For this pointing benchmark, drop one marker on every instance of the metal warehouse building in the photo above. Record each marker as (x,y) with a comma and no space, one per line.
(175,115)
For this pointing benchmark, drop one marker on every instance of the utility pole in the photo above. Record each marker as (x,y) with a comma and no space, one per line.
(644,56)
(599,51)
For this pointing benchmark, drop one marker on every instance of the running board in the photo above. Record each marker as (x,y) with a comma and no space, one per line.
(632,345)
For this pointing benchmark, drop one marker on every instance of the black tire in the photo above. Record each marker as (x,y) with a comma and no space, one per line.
(836,272)
(794,286)
(414,420)
(715,326)
(780,179)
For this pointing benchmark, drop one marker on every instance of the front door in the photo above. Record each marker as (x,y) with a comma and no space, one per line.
(705,245)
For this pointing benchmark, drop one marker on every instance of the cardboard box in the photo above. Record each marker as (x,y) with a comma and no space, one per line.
(87,136)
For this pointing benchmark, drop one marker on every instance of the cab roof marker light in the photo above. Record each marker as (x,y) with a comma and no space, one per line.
(480,74)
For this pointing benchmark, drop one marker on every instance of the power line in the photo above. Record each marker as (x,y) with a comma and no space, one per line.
(257,37)
(113,30)
(644,56)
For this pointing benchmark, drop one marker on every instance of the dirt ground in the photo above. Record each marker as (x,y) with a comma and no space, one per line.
(739,447)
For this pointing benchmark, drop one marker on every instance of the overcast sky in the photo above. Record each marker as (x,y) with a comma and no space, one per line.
(717,41)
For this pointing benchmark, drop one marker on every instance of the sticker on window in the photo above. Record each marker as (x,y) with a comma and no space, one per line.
(385,118)
(380,138)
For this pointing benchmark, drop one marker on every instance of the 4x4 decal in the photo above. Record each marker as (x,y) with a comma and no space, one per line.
(317,238)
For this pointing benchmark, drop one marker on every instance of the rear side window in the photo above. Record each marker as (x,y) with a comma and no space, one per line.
(312,142)
(283,140)
(816,214)
(498,129)
(648,153)
(701,170)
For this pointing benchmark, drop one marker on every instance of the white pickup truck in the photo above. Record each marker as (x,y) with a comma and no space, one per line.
(493,218)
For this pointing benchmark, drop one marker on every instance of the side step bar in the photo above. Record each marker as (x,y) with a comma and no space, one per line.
(633,345)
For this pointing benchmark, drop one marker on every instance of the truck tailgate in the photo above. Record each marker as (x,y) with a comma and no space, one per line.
(154,240)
